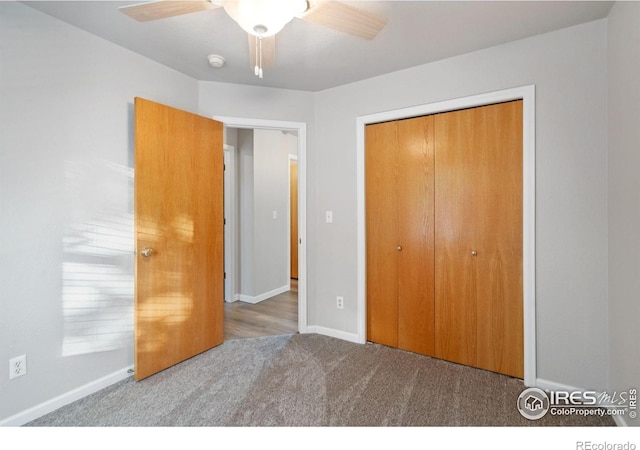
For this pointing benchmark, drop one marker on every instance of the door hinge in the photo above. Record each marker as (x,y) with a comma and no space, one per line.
(225,275)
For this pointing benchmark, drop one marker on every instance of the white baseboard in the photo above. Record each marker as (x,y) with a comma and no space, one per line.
(264,296)
(547,385)
(234,298)
(351,337)
(64,399)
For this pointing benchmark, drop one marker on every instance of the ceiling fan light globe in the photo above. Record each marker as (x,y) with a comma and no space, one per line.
(263,18)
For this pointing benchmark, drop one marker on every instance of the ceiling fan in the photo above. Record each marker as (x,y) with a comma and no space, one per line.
(263,19)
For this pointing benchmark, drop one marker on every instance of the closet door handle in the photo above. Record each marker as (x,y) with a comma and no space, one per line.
(474,253)
(399,248)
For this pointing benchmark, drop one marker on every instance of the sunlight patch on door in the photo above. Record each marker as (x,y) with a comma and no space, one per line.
(162,316)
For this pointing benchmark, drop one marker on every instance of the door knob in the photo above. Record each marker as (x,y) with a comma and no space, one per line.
(399,248)
(474,253)
(146,252)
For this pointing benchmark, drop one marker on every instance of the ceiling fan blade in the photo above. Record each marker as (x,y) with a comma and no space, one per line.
(344,18)
(268,50)
(162,9)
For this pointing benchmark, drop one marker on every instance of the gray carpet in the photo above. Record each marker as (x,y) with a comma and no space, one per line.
(308,380)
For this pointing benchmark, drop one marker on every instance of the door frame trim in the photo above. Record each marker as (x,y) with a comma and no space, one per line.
(527,95)
(301,129)
(230,222)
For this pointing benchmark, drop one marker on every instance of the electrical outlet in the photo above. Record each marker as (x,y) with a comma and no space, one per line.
(340,302)
(17,366)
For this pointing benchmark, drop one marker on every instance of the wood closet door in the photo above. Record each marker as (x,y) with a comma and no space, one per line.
(399,210)
(478,235)
(381,232)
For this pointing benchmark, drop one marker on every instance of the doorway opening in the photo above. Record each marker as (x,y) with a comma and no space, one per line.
(265,245)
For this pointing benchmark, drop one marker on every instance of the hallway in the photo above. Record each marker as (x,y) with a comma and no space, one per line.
(277,315)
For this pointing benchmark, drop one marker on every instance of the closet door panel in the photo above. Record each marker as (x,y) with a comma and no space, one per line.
(499,225)
(381,169)
(444,236)
(415,238)
(455,238)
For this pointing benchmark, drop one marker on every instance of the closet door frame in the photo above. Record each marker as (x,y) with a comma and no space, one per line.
(527,95)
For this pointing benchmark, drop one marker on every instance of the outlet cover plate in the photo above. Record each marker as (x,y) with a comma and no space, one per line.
(17,366)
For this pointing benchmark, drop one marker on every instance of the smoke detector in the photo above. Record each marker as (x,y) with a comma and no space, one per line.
(216,61)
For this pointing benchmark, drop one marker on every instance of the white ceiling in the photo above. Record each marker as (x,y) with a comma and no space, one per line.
(311,57)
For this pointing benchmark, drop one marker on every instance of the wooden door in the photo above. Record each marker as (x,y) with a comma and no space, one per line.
(179,215)
(293,187)
(415,217)
(399,210)
(381,170)
(479,314)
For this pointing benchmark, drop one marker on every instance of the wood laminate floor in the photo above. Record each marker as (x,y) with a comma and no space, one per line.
(277,315)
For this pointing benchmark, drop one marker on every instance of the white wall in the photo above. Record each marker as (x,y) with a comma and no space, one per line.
(568,68)
(264,224)
(271,205)
(624,198)
(255,102)
(245,217)
(65,170)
